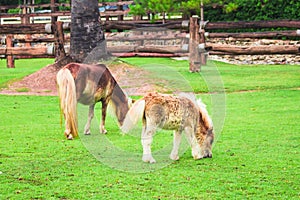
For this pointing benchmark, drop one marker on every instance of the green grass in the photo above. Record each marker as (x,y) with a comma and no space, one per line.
(244,77)
(22,68)
(255,157)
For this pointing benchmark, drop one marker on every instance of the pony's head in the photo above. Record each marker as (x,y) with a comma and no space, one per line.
(205,131)
(120,105)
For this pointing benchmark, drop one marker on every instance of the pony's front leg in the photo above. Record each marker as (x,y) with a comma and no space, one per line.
(196,153)
(87,130)
(146,139)
(102,124)
(176,143)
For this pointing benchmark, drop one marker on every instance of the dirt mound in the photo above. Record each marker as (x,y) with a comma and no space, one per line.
(43,82)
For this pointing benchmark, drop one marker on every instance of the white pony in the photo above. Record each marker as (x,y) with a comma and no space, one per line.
(178,113)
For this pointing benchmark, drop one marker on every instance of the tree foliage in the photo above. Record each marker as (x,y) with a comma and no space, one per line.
(250,10)
(214,10)
(145,7)
(224,10)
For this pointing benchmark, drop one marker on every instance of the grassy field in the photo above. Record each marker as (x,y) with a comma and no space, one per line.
(256,156)
(22,68)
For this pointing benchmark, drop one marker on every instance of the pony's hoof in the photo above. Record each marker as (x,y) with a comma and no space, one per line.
(87,133)
(103,131)
(70,137)
(197,157)
(174,157)
(148,159)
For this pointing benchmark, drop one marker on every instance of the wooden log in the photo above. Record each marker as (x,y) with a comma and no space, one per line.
(119,3)
(201,47)
(29,28)
(253,24)
(145,49)
(139,24)
(56,14)
(10,63)
(266,34)
(194,57)
(159,49)
(133,54)
(142,24)
(26,51)
(138,36)
(40,40)
(33,6)
(47,5)
(121,49)
(254,50)
(57,28)
(25,19)
(53,10)
(27,39)
(113,13)
(22,29)
(177,24)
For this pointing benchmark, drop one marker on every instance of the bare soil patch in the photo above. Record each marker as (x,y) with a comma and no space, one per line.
(133,80)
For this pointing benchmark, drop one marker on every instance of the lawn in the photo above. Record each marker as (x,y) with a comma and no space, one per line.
(256,154)
(22,68)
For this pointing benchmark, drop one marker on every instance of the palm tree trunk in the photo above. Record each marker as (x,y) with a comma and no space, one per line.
(87,36)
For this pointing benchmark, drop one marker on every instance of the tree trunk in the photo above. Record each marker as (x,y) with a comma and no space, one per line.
(87,38)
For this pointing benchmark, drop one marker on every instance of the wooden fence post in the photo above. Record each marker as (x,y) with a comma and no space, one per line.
(58,32)
(26,20)
(202,51)
(194,57)
(9,58)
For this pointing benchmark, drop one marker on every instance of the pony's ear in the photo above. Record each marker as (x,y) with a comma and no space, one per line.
(131,101)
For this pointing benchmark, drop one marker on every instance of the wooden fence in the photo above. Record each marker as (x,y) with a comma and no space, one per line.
(111,10)
(139,41)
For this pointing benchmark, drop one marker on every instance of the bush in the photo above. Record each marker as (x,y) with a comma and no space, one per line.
(255,10)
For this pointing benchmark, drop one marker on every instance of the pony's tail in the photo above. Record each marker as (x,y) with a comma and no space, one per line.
(68,101)
(135,113)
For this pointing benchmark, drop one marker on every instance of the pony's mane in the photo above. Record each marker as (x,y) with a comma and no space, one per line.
(189,95)
(202,107)
(118,96)
(205,117)
(111,108)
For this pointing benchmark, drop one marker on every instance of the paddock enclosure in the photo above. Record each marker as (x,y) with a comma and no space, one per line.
(255,156)
(35,35)
(254,109)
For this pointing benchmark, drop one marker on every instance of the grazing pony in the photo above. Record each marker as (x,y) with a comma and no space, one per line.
(88,84)
(176,113)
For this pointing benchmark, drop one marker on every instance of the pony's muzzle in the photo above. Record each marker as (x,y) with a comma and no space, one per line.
(207,154)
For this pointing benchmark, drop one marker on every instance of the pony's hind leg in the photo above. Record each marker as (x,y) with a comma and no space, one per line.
(196,153)
(68,134)
(87,130)
(67,131)
(102,124)
(147,138)
(176,143)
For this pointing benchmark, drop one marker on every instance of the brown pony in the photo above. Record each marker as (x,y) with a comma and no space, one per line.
(178,113)
(88,84)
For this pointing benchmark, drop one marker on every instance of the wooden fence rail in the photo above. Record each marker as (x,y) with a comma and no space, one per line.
(139,48)
(170,24)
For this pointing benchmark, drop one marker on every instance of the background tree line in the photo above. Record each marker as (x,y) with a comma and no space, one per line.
(214,10)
